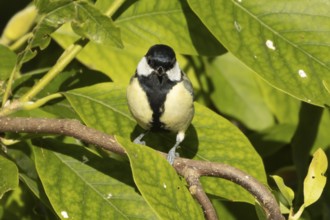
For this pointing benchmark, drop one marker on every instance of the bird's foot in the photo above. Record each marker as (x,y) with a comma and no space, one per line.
(138,140)
(172,154)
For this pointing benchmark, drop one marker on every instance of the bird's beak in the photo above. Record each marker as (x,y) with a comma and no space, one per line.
(160,71)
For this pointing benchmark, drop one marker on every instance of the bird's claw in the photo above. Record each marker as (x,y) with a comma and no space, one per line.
(138,140)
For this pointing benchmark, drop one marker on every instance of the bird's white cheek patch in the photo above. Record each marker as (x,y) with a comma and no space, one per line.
(143,68)
(174,74)
(138,104)
(178,109)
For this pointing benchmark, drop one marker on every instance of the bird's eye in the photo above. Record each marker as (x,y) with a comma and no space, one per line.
(150,61)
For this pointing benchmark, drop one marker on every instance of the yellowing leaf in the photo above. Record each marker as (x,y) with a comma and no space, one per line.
(287,192)
(315,179)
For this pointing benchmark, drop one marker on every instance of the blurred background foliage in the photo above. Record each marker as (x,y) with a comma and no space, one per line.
(261,65)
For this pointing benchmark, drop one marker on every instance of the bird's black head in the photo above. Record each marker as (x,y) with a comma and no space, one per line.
(161,56)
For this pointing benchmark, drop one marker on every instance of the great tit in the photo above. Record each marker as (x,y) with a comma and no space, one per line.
(160,95)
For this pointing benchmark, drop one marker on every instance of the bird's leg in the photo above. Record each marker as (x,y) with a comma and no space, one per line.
(172,153)
(137,140)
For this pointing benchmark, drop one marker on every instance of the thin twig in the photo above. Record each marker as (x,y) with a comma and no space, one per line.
(190,169)
(196,189)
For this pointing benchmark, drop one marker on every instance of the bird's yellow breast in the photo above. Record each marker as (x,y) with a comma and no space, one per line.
(138,104)
(179,109)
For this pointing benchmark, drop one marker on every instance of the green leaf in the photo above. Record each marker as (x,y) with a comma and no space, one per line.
(287,192)
(81,184)
(260,212)
(21,154)
(22,204)
(285,42)
(211,137)
(56,14)
(46,6)
(171,22)
(103,107)
(233,210)
(8,61)
(90,23)
(315,180)
(9,176)
(86,19)
(159,184)
(236,92)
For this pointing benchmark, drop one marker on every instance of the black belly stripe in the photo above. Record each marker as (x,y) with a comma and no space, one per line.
(156,88)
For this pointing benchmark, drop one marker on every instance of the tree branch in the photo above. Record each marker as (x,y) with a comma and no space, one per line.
(257,189)
(196,189)
(192,170)
(68,127)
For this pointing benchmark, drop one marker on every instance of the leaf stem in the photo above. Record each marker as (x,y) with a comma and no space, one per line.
(8,85)
(68,55)
(40,102)
(17,44)
(114,7)
(298,214)
(28,105)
